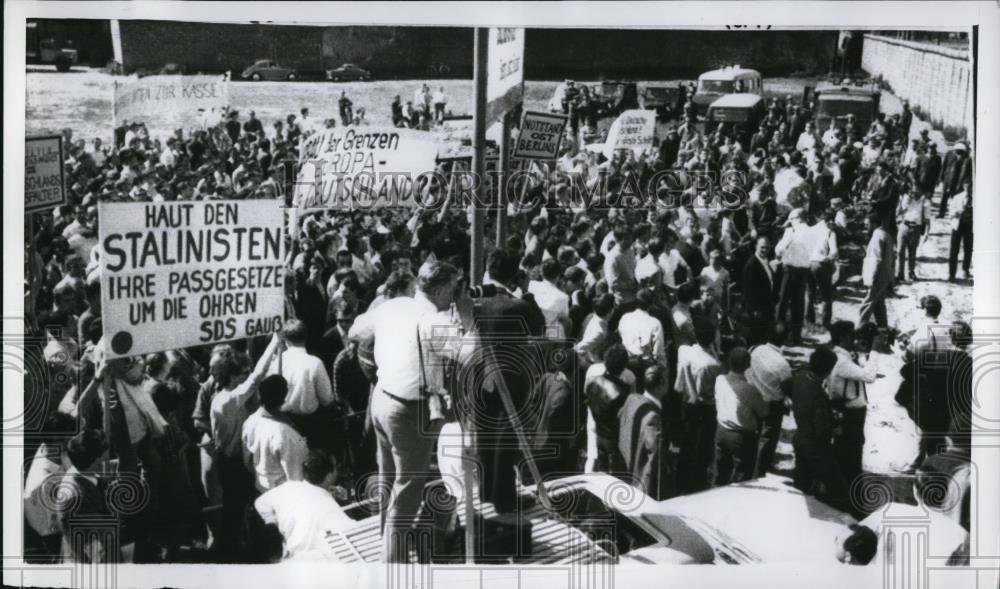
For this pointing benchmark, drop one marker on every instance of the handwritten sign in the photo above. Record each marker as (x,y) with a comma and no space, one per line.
(363,167)
(156,96)
(633,129)
(540,136)
(179,274)
(505,71)
(44,186)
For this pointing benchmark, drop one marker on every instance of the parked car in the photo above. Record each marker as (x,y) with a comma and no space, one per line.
(727,80)
(266,69)
(597,518)
(348,72)
(613,98)
(667,101)
(42,48)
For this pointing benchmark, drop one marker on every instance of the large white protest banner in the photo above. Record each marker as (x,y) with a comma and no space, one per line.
(505,71)
(44,186)
(158,96)
(364,168)
(179,274)
(633,129)
(540,136)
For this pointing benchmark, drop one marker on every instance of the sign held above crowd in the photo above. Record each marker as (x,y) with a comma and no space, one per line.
(180,274)
(367,167)
(540,136)
(633,129)
(44,185)
(152,96)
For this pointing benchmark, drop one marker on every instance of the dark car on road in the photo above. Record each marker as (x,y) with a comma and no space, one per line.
(267,69)
(613,98)
(348,72)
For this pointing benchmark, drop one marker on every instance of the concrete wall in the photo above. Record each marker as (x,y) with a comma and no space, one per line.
(936,80)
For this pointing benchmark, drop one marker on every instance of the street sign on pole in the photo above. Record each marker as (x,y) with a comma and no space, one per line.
(505,88)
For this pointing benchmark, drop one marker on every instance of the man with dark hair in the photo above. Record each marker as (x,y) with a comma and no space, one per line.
(592,343)
(606,394)
(82,497)
(509,325)
(43,531)
(740,409)
(697,368)
(409,351)
(758,291)
(643,335)
(816,471)
(272,450)
(877,269)
(619,267)
(553,302)
(304,512)
(770,373)
(309,388)
(641,440)
(846,386)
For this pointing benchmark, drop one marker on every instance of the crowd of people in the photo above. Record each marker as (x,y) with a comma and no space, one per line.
(664,329)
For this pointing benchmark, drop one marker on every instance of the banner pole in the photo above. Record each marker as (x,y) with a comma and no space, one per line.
(502,176)
(479,153)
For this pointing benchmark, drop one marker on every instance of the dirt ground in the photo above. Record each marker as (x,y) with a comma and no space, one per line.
(81,100)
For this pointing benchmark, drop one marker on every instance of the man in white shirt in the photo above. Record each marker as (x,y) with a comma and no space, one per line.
(642,334)
(822,264)
(594,339)
(553,302)
(932,334)
(309,387)
(807,140)
(794,250)
(770,373)
(846,387)
(304,512)
(440,100)
(405,433)
(272,450)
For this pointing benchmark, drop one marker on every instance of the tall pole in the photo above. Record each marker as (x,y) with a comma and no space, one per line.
(503,169)
(478,153)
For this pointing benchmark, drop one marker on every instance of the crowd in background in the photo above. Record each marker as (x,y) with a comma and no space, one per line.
(665,330)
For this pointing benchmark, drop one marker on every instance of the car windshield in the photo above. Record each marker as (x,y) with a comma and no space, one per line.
(720,86)
(611,530)
(832,107)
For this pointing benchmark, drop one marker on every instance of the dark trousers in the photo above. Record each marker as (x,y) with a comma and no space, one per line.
(697,446)
(848,446)
(770,433)
(821,286)
(817,472)
(960,238)
(237,489)
(792,298)
(735,454)
(907,240)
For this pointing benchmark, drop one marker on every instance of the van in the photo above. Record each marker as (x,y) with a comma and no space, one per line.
(728,80)
(740,114)
(835,101)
